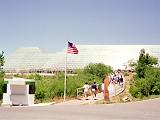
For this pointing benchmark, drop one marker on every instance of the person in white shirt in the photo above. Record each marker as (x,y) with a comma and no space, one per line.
(86,90)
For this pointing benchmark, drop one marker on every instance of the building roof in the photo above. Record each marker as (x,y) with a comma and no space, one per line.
(33,58)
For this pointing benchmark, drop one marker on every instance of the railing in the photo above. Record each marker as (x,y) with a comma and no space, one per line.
(80,91)
(117,90)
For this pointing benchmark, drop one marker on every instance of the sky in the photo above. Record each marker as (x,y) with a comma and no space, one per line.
(48,24)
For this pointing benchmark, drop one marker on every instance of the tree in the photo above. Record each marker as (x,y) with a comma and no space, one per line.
(1,73)
(150,85)
(147,80)
(144,61)
(1,60)
(98,69)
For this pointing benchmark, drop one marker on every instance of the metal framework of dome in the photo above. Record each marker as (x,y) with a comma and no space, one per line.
(32,59)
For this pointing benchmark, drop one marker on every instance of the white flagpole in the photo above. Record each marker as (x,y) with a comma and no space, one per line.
(65,79)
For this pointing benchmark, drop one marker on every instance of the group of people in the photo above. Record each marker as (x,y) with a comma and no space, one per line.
(114,78)
(117,78)
(94,89)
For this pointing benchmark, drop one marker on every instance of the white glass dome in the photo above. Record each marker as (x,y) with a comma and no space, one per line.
(35,59)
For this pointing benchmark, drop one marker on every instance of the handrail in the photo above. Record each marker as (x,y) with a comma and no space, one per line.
(119,90)
(116,91)
(78,89)
(81,89)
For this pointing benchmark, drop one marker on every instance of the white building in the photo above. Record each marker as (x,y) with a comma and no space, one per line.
(19,91)
(34,59)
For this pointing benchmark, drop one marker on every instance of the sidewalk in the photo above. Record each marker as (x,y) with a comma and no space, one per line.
(113,90)
(43,104)
(82,101)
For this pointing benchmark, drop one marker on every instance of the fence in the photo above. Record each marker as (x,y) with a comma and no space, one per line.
(117,90)
(80,91)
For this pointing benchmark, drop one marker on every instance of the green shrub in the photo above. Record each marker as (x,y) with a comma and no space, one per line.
(137,88)
(40,94)
(1,83)
(50,87)
(147,80)
(98,69)
(144,61)
(150,85)
(156,89)
(56,88)
(35,76)
(1,89)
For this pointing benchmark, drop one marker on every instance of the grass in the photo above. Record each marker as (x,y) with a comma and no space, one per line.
(147,98)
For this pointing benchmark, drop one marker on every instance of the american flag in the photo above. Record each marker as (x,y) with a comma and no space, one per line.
(72,48)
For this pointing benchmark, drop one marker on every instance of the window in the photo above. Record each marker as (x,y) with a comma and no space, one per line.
(32,89)
(4,88)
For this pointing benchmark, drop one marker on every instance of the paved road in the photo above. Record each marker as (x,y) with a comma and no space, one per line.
(146,110)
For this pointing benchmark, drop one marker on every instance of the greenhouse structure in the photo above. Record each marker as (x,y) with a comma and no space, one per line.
(34,59)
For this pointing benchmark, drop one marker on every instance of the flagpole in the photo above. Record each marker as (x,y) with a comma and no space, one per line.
(65,74)
(71,48)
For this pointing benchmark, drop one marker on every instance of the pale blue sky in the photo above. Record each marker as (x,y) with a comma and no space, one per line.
(49,23)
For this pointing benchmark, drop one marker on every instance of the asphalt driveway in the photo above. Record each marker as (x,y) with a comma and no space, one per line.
(143,110)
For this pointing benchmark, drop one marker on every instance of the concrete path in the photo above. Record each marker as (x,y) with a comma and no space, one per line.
(113,90)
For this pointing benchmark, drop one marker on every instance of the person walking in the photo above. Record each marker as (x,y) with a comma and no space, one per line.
(86,90)
(94,90)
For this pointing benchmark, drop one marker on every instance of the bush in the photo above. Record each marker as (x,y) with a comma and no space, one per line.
(40,94)
(145,60)
(49,87)
(1,84)
(99,69)
(150,85)
(137,88)
(35,77)
(1,89)
(147,80)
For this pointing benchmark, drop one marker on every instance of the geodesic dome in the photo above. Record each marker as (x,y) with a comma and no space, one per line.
(35,59)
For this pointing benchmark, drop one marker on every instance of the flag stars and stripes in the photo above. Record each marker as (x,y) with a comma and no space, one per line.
(72,48)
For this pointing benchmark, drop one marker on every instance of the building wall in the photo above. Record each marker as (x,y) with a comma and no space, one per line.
(33,58)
